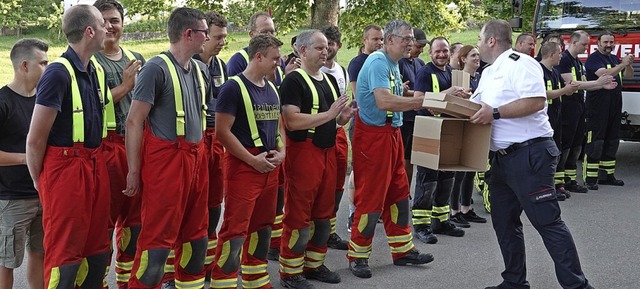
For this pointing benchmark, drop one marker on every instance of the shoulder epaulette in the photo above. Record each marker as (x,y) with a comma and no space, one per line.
(514,56)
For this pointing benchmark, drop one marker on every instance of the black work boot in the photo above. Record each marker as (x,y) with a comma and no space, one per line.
(335,242)
(446,228)
(360,268)
(322,274)
(296,282)
(424,234)
(414,257)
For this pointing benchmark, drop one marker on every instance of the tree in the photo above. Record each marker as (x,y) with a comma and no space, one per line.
(147,8)
(435,19)
(205,5)
(324,13)
(10,13)
(500,9)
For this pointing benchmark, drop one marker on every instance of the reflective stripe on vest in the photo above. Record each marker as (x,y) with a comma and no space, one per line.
(177,94)
(245,55)
(434,83)
(77,119)
(573,73)
(109,120)
(129,55)
(315,105)
(251,118)
(549,88)
(619,73)
(220,66)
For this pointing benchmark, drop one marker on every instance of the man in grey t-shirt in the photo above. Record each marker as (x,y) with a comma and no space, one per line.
(169,99)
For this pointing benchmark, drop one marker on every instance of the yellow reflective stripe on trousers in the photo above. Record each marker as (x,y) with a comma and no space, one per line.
(212,244)
(278,219)
(224,253)
(276,233)
(254,239)
(83,271)
(402,249)
(195,284)
(177,94)
(440,210)
(187,252)
(76,102)
(291,270)
(401,238)
(393,211)
(54,278)
(224,283)
(253,269)
(124,265)
(248,107)
(260,282)
(125,239)
(421,213)
(123,277)
(144,261)
(293,262)
(315,255)
(362,224)
(358,248)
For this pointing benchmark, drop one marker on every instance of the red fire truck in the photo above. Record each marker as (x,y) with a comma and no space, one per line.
(622,17)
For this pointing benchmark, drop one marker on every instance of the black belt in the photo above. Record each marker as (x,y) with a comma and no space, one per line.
(516,146)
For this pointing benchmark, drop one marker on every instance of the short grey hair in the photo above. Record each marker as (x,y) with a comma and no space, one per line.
(305,38)
(395,27)
(500,30)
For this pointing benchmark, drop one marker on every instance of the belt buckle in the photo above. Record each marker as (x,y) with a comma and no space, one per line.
(502,152)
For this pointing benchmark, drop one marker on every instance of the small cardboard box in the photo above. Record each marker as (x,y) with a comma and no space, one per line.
(461,78)
(450,144)
(451,105)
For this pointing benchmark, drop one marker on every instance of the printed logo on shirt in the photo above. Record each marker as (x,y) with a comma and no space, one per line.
(266,111)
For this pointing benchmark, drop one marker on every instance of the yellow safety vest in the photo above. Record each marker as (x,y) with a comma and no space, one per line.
(246,58)
(251,118)
(177,94)
(77,119)
(315,101)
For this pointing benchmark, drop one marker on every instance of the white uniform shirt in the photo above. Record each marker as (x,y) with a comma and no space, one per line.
(507,80)
(341,75)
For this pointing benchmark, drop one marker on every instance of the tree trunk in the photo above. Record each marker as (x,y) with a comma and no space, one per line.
(324,13)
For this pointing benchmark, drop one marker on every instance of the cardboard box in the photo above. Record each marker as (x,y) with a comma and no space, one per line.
(460,78)
(451,105)
(450,144)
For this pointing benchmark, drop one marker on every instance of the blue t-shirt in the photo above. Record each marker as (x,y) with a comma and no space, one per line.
(409,70)
(378,71)
(237,64)
(54,91)
(597,60)
(355,65)
(266,110)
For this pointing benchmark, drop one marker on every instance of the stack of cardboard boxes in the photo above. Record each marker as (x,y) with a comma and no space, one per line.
(451,143)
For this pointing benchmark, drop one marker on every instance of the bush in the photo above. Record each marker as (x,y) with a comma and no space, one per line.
(148,25)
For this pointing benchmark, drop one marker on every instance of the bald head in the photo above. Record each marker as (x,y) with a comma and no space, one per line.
(76,19)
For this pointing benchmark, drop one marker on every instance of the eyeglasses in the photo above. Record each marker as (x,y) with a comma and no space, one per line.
(205,31)
(405,39)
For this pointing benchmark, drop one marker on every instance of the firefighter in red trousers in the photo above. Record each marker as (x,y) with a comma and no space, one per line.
(167,158)
(248,125)
(312,107)
(120,66)
(382,187)
(65,158)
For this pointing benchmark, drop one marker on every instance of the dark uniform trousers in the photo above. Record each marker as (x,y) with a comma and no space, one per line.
(573,128)
(604,111)
(515,187)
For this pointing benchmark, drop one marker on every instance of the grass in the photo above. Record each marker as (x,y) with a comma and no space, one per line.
(149,48)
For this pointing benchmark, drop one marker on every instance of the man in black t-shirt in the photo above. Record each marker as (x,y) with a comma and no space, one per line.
(604,109)
(312,108)
(551,53)
(20,209)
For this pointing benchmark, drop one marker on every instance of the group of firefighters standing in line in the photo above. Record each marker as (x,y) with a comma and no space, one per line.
(161,140)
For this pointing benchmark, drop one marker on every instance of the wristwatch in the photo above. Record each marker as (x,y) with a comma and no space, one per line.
(496,113)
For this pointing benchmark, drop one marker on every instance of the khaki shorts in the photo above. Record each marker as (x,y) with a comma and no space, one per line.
(20,227)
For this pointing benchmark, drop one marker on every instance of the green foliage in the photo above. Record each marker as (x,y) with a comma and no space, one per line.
(500,9)
(359,13)
(287,14)
(10,15)
(148,8)
(205,5)
(53,21)
(148,25)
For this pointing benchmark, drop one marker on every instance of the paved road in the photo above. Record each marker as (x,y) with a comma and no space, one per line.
(604,224)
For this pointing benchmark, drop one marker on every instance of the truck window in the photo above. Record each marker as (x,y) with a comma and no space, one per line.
(588,14)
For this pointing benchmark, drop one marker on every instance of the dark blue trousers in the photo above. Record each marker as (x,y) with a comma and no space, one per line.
(523,181)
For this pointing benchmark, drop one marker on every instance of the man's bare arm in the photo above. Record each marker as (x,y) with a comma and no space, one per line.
(41,123)
(133,142)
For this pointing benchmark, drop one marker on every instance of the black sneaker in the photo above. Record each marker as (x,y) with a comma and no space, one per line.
(360,268)
(560,196)
(169,284)
(460,221)
(273,254)
(349,222)
(591,186)
(611,181)
(471,216)
(296,282)
(414,258)
(335,242)
(322,274)
(563,191)
(425,235)
(448,228)
(574,187)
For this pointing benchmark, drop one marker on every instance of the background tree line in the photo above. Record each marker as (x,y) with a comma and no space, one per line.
(436,17)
